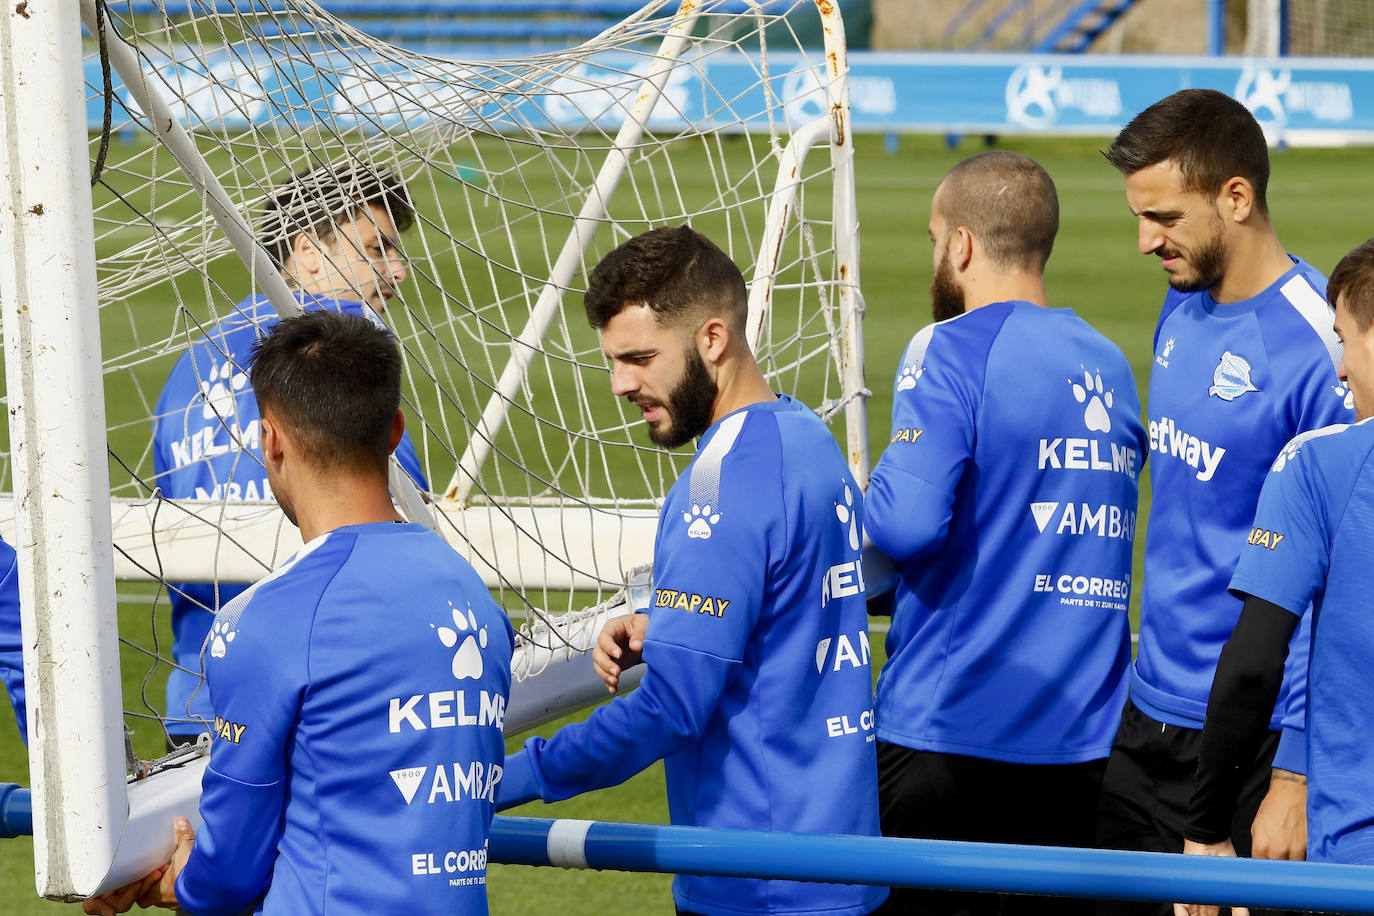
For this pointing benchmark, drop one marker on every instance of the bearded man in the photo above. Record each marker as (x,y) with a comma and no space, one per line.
(757,693)
(1007,496)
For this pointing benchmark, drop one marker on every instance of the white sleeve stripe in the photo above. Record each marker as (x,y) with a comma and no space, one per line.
(567,843)
(916,350)
(1316,312)
(231,612)
(704,485)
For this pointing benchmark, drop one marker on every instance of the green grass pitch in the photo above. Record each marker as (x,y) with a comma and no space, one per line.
(1319,210)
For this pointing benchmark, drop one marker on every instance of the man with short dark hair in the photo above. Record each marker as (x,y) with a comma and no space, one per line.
(1309,550)
(757,692)
(1244,360)
(332,232)
(1012,529)
(359,689)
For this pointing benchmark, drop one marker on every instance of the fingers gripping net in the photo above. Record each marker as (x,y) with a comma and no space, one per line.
(522,173)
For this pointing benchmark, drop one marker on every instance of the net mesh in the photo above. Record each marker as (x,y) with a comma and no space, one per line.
(1316,28)
(499,155)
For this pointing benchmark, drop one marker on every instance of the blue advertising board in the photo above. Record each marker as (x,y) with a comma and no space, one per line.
(1301,100)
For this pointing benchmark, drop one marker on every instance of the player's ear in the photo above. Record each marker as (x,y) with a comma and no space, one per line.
(960,248)
(398,428)
(271,441)
(1237,199)
(307,260)
(713,339)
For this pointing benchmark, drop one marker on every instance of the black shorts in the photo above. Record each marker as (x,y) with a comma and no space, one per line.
(955,797)
(1147,787)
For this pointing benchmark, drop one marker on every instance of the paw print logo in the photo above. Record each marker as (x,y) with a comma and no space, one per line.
(1287,454)
(845,513)
(219,389)
(1168,347)
(220,638)
(1347,397)
(699,521)
(467,661)
(908,377)
(1091,392)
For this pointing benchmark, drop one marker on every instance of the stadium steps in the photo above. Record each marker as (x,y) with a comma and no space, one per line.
(1076,24)
(485,23)
(1080,28)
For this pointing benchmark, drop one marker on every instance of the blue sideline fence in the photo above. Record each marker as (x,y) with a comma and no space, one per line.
(885,861)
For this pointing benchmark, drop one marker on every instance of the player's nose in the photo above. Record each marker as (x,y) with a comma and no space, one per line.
(1150,238)
(396,270)
(623,380)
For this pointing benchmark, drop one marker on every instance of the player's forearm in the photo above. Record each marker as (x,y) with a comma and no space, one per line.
(235,849)
(1247,683)
(668,712)
(905,515)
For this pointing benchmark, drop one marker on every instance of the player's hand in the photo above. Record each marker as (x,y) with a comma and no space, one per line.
(1224,849)
(164,893)
(1280,827)
(620,646)
(121,900)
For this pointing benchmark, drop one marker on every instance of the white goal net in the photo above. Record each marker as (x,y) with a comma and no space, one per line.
(1310,28)
(522,172)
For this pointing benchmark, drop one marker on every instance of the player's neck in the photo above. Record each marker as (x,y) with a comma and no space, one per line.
(1017,287)
(740,384)
(1255,260)
(343,499)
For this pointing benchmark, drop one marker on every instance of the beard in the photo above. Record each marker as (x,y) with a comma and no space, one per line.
(689,405)
(946,296)
(1208,263)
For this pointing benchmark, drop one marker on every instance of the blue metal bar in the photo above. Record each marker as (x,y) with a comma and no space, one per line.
(1091,873)
(1216,27)
(1283,27)
(16,811)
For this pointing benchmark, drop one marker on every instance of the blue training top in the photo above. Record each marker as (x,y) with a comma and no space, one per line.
(758,690)
(1313,542)
(359,692)
(1230,385)
(205,446)
(1008,497)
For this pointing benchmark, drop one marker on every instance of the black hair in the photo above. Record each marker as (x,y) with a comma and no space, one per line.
(317,200)
(1210,136)
(1354,276)
(676,272)
(334,382)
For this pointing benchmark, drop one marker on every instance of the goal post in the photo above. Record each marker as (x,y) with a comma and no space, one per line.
(523,172)
(57,435)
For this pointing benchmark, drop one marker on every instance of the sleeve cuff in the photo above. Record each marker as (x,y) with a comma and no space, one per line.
(520,782)
(1292,752)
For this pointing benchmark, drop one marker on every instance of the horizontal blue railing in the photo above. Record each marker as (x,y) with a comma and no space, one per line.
(1093,873)
(890,862)
(16,811)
